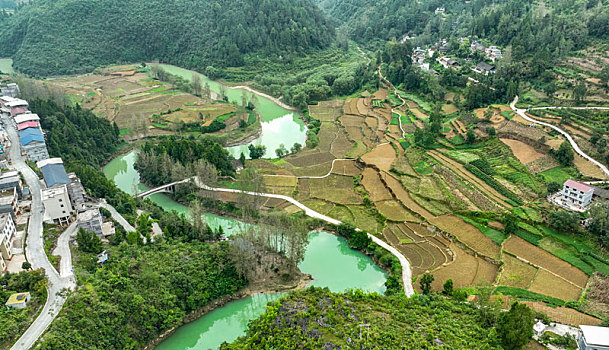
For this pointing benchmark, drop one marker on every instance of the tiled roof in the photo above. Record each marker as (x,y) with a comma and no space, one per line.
(578,186)
(30,124)
(30,135)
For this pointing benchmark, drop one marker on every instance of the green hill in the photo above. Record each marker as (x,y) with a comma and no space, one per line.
(319,319)
(50,37)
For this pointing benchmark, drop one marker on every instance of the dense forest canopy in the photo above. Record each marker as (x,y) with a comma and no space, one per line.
(44,37)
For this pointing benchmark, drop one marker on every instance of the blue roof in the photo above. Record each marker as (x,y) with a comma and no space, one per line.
(54,174)
(29,135)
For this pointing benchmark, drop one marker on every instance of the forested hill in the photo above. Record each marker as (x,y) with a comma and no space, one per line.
(50,37)
(567,24)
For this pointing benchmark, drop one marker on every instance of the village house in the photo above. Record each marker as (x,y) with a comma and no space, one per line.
(76,192)
(11,90)
(7,103)
(577,194)
(18,300)
(476,46)
(90,220)
(57,205)
(18,110)
(9,202)
(484,68)
(33,144)
(26,117)
(447,62)
(440,11)
(8,231)
(493,53)
(53,172)
(418,56)
(9,180)
(593,338)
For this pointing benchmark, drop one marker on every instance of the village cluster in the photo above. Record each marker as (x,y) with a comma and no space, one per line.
(63,195)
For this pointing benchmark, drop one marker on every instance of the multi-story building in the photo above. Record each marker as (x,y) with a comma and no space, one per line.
(53,172)
(11,90)
(7,233)
(26,117)
(90,220)
(9,203)
(33,144)
(76,192)
(11,179)
(57,206)
(577,193)
(593,338)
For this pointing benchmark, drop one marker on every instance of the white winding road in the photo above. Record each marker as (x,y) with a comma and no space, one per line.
(521,112)
(34,250)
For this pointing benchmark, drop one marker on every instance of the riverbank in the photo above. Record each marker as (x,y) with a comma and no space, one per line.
(265,286)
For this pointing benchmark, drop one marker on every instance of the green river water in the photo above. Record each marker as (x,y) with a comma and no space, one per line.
(279,125)
(328,259)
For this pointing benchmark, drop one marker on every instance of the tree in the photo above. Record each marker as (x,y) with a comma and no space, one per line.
(553,187)
(196,84)
(256,152)
(470,137)
(448,287)
(491,131)
(579,92)
(281,151)
(425,283)
(515,327)
(88,242)
(564,155)
(599,220)
(510,223)
(296,147)
(242,159)
(207,91)
(550,90)
(564,221)
(602,146)
(26,265)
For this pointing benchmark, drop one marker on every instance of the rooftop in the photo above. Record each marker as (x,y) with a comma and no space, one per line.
(596,335)
(18,110)
(485,66)
(17,298)
(54,173)
(89,214)
(29,124)
(30,135)
(578,186)
(52,192)
(46,162)
(26,117)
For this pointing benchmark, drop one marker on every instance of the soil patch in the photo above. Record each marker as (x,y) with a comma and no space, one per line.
(525,153)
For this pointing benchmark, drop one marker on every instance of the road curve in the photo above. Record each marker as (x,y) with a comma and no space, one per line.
(314,177)
(117,216)
(521,112)
(406,272)
(34,249)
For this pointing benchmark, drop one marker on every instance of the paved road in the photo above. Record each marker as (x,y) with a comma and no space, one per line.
(406,272)
(63,250)
(315,177)
(596,108)
(117,216)
(34,250)
(576,148)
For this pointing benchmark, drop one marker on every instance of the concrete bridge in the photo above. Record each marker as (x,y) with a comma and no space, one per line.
(168,188)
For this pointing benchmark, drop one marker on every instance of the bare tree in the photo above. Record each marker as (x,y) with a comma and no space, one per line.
(196,84)
(207,91)
(252,181)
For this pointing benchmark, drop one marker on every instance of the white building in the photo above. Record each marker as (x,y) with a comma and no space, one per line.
(577,194)
(11,90)
(493,52)
(18,300)
(57,206)
(9,202)
(7,233)
(593,338)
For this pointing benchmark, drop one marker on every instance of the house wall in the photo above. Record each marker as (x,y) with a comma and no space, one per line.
(58,207)
(36,151)
(582,345)
(577,197)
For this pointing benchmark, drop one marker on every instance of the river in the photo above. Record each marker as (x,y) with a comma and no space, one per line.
(279,125)
(328,259)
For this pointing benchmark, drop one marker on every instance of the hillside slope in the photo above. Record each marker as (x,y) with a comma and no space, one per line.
(318,319)
(51,37)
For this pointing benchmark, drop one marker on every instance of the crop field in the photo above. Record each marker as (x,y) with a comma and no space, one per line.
(346,167)
(374,186)
(364,219)
(311,159)
(382,156)
(523,152)
(341,145)
(422,254)
(319,206)
(548,284)
(350,106)
(403,196)
(335,188)
(516,273)
(133,99)
(327,111)
(327,134)
(587,168)
(539,257)
(281,181)
(558,174)
(564,315)
(467,234)
(465,270)
(394,211)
